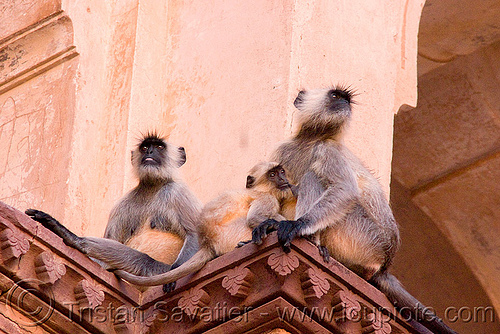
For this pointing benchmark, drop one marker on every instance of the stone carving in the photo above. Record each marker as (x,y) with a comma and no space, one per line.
(49,268)
(149,321)
(238,281)
(376,323)
(283,263)
(88,294)
(121,327)
(314,283)
(13,245)
(193,300)
(346,306)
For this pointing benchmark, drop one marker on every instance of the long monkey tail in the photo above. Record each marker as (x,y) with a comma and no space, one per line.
(195,263)
(405,302)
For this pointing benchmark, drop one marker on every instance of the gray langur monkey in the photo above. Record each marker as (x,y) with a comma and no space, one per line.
(340,199)
(230,218)
(152,226)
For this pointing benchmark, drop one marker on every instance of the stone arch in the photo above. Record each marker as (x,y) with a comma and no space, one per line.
(446,162)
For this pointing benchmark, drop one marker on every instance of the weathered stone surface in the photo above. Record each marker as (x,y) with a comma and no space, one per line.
(446,156)
(455,124)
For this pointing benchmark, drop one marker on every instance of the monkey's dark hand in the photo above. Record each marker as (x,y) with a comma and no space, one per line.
(43,218)
(287,231)
(169,287)
(263,230)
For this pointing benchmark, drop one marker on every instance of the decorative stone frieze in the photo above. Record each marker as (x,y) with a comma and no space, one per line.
(238,281)
(346,306)
(314,283)
(193,300)
(88,294)
(283,263)
(13,245)
(250,289)
(376,323)
(49,268)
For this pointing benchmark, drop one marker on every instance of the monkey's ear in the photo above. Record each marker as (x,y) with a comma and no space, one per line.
(182,157)
(250,181)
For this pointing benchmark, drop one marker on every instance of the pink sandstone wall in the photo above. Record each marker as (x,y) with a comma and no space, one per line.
(217,78)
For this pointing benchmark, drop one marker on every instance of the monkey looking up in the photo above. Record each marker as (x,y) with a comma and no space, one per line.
(152,226)
(230,218)
(340,199)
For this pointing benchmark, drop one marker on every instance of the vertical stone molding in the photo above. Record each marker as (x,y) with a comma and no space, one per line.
(49,268)
(13,245)
(283,263)
(238,281)
(88,294)
(314,283)
(193,300)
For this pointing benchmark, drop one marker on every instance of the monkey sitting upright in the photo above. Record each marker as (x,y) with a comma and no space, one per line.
(340,199)
(154,225)
(230,218)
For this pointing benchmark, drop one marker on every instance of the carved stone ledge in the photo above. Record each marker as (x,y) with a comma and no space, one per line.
(314,283)
(88,294)
(48,268)
(238,281)
(149,322)
(13,245)
(283,263)
(193,300)
(376,323)
(346,306)
(121,327)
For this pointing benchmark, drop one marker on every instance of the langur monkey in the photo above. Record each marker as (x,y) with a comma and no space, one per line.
(340,199)
(231,217)
(151,227)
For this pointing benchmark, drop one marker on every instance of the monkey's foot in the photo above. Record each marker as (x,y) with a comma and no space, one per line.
(323,251)
(169,287)
(263,230)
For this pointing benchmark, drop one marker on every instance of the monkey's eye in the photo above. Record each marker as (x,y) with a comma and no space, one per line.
(160,146)
(282,171)
(272,174)
(334,95)
(143,148)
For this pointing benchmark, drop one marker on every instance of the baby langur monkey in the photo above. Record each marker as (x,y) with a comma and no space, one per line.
(151,227)
(230,218)
(339,199)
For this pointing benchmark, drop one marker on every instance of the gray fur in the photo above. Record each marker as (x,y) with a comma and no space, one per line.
(160,200)
(228,218)
(338,198)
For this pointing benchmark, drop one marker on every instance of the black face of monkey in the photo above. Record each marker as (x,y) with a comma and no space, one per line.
(338,99)
(323,113)
(153,151)
(277,176)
